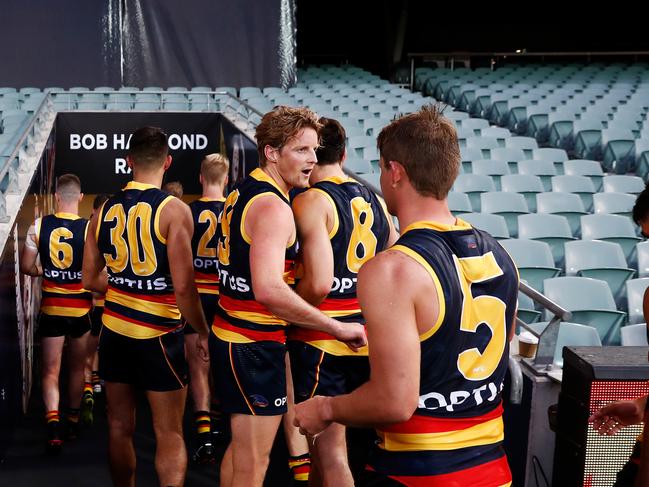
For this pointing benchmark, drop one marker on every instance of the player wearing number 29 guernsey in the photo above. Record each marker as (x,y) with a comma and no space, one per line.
(441,304)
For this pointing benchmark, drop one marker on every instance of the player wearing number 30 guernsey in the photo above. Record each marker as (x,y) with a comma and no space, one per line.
(440,305)
(142,236)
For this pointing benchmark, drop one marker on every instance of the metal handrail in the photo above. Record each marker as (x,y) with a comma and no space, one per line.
(26,131)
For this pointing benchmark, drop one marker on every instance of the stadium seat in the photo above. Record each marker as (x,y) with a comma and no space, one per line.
(459,203)
(635,290)
(611,228)
(634,335)
(543,169)
(568,205)
(623,184)
(507,205)
(591,303)
(533,259)
(525,311)
(570,335)
(524,184)
(580,185)
(583,167)
(642,253)
(526,144)
(599,260)
(512,156)
(495,225)
(613,203)
(473,185)
(552,229)
(492,168)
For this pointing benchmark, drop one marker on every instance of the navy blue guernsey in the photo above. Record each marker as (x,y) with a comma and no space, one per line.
(360,230)
(240,318)
(206,214)
(464,357)
(140,302)
(60,238)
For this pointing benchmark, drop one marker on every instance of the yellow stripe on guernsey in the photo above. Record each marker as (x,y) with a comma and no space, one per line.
(486,433)
(135,329)
(438,287)
(334,228)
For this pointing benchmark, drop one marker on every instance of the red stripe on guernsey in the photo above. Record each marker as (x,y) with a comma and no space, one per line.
(110,312)
(67,302)
(330,304)
(207,277)
(71,287)
(488,474)
(426,424)
(251,306)
(257,336)
(169,298)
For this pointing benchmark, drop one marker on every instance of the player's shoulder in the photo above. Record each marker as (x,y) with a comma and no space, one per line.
(389,265)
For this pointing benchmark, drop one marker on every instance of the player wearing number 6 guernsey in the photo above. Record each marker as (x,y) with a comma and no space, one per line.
(143,237)
(440,307)
(256,250)
(58,240)
(341,224)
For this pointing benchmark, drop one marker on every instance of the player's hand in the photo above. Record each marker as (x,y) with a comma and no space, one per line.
(612,418)
(310,417)
(202,347)
(352,334)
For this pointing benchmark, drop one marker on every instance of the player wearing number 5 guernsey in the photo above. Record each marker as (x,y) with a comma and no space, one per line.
(441,304)
(256,250)
(143,238)
(58,239)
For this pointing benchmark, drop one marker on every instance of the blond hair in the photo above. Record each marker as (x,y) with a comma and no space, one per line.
(68,187)
(214,168)
(280,125)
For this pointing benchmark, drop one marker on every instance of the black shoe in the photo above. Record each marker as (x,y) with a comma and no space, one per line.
(54,443)
(71,430)
(204,455)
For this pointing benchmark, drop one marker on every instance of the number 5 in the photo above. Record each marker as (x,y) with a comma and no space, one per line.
(488,310)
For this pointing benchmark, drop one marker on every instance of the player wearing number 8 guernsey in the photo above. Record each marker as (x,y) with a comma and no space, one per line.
(143,237)
(256,249)
(440,303)
(341,225)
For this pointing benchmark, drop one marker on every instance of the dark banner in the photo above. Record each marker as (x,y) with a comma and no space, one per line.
(93,146)
(142,43)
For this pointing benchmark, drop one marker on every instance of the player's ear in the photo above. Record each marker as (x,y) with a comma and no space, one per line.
(168,162)
(270,153)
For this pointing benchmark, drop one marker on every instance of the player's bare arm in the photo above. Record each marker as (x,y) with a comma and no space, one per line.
(94,275)
(313,215)
(29,257)
(395,294)
(177,225)
(270,226)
